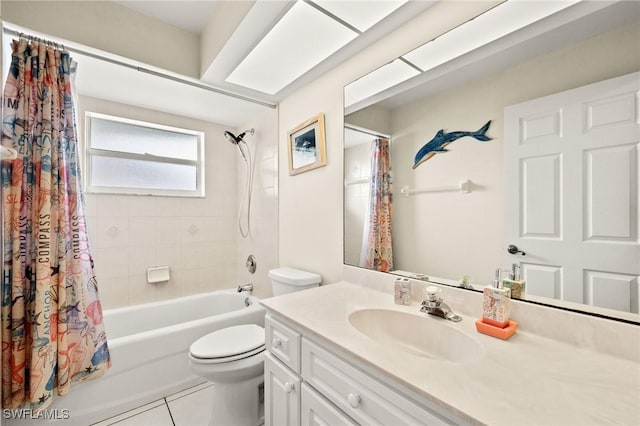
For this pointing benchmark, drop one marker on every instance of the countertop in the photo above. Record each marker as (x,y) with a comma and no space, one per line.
(527,379)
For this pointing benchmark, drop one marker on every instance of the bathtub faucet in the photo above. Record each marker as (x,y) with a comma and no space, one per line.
(246,287)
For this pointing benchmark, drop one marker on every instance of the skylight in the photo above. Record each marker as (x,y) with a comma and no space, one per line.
(377,81)
(302,39)
(486,28)
(360,14)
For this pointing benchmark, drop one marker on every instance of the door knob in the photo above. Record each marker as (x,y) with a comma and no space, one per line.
(289,387)
(514,250)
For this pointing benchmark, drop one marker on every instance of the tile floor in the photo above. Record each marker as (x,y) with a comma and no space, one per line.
(187,408)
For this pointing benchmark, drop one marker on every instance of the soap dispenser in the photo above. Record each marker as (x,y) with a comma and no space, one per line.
(496,311)
(515,283)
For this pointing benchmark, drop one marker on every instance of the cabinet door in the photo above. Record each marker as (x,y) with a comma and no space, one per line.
(316,411)
(282,394)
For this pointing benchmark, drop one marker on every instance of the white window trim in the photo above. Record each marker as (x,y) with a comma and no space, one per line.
(199,192)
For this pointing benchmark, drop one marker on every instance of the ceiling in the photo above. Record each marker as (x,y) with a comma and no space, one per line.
(188,15)
(265,51)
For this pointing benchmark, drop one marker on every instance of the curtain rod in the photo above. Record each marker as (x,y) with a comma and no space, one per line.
(367,131)
(160,74)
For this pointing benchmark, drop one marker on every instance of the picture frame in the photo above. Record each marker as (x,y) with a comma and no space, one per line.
(307,146)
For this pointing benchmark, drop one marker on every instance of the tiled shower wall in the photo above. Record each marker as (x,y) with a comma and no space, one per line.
(195,237)
(263,243)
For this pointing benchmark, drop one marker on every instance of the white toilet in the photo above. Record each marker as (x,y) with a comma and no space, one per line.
(233,358)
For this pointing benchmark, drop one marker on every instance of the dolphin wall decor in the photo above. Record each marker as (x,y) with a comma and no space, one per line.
(442,139)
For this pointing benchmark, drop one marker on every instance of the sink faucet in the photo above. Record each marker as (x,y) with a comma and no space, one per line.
(246,287)
(434,305)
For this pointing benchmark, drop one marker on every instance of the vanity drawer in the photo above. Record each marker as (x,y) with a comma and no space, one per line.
(361,397)
(283,342)
(318,411)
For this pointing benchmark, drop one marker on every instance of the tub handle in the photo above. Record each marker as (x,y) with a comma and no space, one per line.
(288,387)
(276,343)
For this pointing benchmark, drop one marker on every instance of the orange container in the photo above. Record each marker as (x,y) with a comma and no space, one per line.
(493,331)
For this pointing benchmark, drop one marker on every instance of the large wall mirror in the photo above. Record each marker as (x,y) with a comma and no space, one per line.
(554,174)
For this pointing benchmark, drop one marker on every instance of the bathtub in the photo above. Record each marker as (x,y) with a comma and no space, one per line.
(149,345)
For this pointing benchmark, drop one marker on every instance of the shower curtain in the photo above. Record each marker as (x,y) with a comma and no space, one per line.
(377,252)
(52,330)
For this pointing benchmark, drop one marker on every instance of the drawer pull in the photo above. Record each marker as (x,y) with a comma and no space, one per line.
(276,343)
(288,387)
(354,400)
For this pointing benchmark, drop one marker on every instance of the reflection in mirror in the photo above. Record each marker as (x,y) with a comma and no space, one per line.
(558,178)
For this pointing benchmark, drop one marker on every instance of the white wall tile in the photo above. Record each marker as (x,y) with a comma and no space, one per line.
(141,206)
(112,205)
(111,231)
(114,292)
(168,230)
(140,291)
(142,231)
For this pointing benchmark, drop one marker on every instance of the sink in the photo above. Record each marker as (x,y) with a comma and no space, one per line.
(420,335)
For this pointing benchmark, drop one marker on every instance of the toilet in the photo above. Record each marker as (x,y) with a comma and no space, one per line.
(233,359)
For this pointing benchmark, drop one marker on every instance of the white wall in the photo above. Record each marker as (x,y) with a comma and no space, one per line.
(311,215)
(113,28)
(195,237)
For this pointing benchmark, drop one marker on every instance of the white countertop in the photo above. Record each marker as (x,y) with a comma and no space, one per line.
(527,379)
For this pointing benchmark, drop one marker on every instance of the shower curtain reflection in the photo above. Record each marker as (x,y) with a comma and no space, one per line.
(377,250)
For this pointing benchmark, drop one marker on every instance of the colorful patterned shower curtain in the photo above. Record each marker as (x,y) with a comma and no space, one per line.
(52,330)
(377,251)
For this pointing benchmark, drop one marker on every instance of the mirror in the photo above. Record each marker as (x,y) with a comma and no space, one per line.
(571,73)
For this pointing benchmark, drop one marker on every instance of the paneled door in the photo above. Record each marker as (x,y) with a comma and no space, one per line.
(571,193)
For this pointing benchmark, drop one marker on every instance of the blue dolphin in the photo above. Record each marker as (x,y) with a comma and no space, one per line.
(442,139)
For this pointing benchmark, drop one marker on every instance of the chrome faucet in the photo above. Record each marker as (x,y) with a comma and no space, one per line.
(434,305)
(246,287)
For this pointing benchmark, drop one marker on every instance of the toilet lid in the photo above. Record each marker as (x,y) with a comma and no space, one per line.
(229,342)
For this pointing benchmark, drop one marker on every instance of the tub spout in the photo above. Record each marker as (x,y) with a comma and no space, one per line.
(246,287)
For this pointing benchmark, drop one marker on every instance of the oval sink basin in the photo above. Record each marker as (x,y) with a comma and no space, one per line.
(417,334)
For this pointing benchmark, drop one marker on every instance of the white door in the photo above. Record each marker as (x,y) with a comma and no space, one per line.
(281,394)
(571,193)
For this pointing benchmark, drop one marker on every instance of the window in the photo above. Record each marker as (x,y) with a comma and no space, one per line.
(134,157)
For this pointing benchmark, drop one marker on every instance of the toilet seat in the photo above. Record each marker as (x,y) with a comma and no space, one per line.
(229,344)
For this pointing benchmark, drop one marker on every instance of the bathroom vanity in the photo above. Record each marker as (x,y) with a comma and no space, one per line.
(308,384)
(346,354)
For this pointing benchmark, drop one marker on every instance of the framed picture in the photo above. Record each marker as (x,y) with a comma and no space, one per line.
(307,148)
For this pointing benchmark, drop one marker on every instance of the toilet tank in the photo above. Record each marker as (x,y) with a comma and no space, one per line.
(288,280)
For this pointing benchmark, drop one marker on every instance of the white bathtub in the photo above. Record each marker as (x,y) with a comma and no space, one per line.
(149,345)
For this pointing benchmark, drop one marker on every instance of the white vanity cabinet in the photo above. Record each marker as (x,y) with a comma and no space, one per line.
(306,384)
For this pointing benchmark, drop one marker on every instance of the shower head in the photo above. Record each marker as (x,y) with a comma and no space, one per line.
(232,138)
(236,139)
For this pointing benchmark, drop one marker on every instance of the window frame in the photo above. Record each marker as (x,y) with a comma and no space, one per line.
(91,152)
